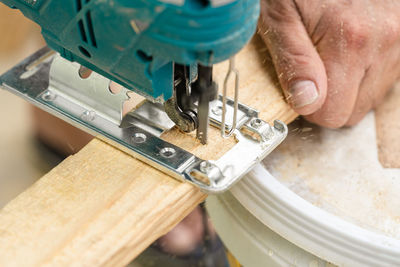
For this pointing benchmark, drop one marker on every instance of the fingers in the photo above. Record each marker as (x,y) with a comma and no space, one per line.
(376,83)
(359,75)
(299,67)
(343,84)
(345,51)
(355,59)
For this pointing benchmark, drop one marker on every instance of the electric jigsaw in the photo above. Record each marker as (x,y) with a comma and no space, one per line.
(163,50)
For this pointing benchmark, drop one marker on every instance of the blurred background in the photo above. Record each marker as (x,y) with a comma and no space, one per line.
(22,158)
(31,141)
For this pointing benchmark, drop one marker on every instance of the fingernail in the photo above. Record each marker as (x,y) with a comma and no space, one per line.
(303,93)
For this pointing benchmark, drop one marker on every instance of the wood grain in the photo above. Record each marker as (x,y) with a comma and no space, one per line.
(98,207)
(103,207)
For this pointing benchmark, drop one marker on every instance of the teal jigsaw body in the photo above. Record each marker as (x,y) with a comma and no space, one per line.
(137,42)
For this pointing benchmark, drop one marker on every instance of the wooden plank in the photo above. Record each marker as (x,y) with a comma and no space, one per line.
(103,207)
(98,207)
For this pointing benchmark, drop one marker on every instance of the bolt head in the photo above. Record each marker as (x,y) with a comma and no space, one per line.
(256,123)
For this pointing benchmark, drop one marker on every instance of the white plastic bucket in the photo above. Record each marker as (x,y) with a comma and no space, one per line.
(264,223)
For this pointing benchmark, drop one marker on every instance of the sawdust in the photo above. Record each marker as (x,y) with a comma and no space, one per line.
(339,171)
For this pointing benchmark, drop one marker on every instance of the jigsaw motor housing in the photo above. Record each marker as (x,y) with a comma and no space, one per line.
(137,42)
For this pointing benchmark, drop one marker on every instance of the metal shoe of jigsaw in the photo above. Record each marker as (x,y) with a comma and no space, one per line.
(163,50)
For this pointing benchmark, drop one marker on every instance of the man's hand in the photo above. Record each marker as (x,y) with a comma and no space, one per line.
(335,59)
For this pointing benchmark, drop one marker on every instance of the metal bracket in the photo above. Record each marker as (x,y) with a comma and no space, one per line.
(53,84)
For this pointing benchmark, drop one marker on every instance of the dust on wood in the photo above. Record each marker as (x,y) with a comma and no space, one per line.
(259,88)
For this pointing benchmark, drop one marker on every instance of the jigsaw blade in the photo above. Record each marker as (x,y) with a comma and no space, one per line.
(203,109)
(207,91)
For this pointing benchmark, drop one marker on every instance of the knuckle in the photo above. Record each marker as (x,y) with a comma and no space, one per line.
(391,31)
(294,58)
(278,11)
(299,56)
(355,34)
(291,63)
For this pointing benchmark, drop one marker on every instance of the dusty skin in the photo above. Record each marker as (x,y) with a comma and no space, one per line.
(335,59)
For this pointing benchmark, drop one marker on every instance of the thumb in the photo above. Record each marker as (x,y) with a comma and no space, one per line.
(299,67)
